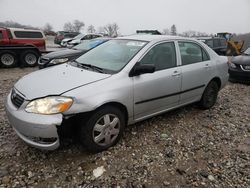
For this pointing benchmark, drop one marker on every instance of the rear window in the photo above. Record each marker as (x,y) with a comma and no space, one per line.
(28,34)
(1,35)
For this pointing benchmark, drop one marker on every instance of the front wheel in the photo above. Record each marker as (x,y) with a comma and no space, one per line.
(29,58)
(103,129)
(209,96)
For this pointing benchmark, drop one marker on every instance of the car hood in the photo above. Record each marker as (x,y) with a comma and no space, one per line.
(241,59)
(67,39)
(56,81)
(76,41)
(62,54)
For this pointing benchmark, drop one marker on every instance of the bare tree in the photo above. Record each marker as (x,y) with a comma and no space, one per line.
(75,26)
(68,27)
(173,30)
(111,30)
(78,25)
(91,29)
(16,25)
(166,31)
(47,27)
(192,33)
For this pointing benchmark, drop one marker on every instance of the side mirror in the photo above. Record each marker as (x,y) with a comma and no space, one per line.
(142,69)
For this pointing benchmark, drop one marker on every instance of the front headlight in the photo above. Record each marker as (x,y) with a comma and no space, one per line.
(49,105)
(58,61)
(232,65)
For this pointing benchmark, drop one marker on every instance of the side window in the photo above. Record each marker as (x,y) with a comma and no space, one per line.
(95,36)
(1,35)
(191,53)
(28,34)
(163,56)
(205,57)
(87,37)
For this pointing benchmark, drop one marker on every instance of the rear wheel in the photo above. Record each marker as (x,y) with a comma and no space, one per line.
(8,59)
(210,95)
(103,129)
(29,58)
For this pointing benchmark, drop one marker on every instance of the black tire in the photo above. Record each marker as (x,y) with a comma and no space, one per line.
(8,59)
(29,58)
(209,96)
(89,130)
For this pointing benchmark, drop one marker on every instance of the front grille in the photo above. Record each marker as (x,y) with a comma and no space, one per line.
(245,67)
(16,99)
(42,140)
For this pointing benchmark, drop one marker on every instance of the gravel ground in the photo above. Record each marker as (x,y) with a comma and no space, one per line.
(187,147)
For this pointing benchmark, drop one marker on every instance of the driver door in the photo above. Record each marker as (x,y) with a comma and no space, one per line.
(158,91)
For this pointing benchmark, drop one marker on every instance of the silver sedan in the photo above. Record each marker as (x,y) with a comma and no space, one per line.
(120,82)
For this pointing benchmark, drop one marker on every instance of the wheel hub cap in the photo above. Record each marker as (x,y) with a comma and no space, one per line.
(30,59)
(7,59)
(106,130)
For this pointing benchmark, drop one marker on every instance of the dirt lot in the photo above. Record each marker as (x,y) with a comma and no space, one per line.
(187,147)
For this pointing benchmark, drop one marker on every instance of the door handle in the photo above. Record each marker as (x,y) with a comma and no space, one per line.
(176,73)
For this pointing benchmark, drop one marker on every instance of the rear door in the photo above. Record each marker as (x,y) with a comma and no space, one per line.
(157,91)
(196,71)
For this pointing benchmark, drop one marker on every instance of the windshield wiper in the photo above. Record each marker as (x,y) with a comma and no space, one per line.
(93,67)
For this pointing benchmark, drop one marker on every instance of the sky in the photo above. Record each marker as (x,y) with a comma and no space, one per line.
(210,16)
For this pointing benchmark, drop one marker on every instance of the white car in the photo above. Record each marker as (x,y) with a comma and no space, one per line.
(79,38)
(64,42)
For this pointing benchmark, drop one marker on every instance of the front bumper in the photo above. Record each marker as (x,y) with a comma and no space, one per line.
(39,131)
(239,76)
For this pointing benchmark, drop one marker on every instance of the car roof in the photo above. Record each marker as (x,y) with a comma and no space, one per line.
(150,38)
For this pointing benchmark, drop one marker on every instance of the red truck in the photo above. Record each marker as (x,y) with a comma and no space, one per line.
(20,47)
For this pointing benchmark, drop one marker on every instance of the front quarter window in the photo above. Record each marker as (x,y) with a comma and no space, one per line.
(112,55)
(247,51)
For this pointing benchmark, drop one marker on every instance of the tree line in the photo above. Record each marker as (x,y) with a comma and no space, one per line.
(111,29)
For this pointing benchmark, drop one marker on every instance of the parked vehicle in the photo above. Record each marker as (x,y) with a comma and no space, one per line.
(62,56)
(150,32)
(239,68)
(60,35)
(20,47)
(81,37)
(120,82)
(218,44)
(233,47)
(65,41)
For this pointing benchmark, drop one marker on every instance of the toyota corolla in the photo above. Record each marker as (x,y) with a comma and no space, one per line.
(120,82)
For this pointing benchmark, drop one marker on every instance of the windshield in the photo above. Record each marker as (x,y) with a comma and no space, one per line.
(247,51)
(89,44)
(78,36)
(112,55)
